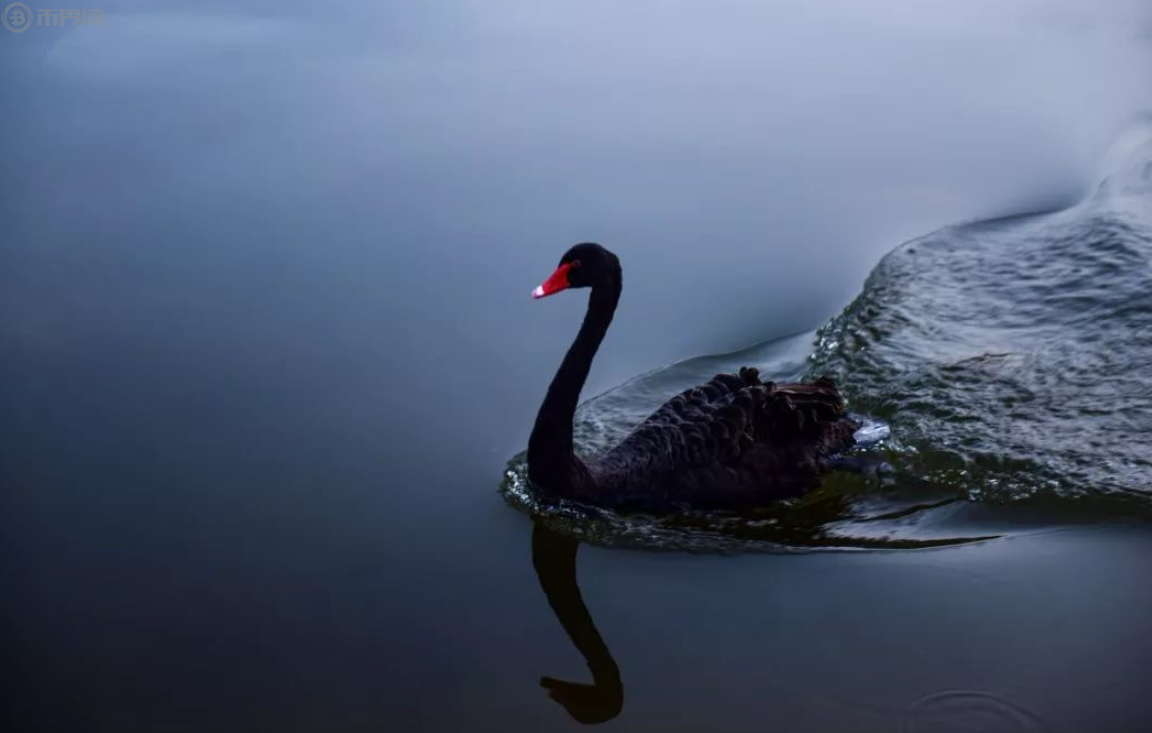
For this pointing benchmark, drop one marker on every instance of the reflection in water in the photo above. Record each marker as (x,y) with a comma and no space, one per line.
(554,557)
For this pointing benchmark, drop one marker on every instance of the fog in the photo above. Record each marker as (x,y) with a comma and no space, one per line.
(213,201)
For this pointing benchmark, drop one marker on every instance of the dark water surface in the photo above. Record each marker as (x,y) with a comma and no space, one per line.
(183,556)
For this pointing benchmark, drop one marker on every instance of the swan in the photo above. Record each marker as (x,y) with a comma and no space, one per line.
(733,443)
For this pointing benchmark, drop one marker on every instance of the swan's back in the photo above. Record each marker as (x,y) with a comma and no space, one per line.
(733,442)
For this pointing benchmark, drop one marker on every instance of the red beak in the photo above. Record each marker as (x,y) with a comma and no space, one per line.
(555,283)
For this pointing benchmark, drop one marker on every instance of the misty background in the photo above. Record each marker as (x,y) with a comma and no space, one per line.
(361,195)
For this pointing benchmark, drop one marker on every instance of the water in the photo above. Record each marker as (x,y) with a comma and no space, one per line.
(266,350)
(1017,350)
(230,558)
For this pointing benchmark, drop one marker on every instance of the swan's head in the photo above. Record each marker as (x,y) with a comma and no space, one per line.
(584,266)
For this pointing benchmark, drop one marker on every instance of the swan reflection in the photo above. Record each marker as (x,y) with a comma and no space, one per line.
(554,557)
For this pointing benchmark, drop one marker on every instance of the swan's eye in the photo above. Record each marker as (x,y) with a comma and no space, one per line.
(575,263)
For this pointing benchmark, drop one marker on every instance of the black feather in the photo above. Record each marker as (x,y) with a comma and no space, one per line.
(731,443)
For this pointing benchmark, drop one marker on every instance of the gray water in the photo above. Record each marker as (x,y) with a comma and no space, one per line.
(1021,346)
(266,349)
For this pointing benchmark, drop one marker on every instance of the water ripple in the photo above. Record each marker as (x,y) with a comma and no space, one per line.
(970,711)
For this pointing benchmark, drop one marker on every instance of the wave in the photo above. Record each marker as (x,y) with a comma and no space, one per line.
(1015,354)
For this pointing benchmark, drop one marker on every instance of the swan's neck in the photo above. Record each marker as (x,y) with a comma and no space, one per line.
(550,455)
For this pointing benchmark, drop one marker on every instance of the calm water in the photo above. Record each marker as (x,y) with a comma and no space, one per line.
(185,557)
(267,351)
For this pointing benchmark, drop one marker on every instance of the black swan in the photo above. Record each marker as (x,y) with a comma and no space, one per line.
(735,442)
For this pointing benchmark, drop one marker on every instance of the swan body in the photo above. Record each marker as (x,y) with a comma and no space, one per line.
(735,442)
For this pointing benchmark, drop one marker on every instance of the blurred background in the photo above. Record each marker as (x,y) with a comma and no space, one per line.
(397,176)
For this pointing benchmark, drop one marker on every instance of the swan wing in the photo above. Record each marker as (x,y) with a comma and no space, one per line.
(734,440)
